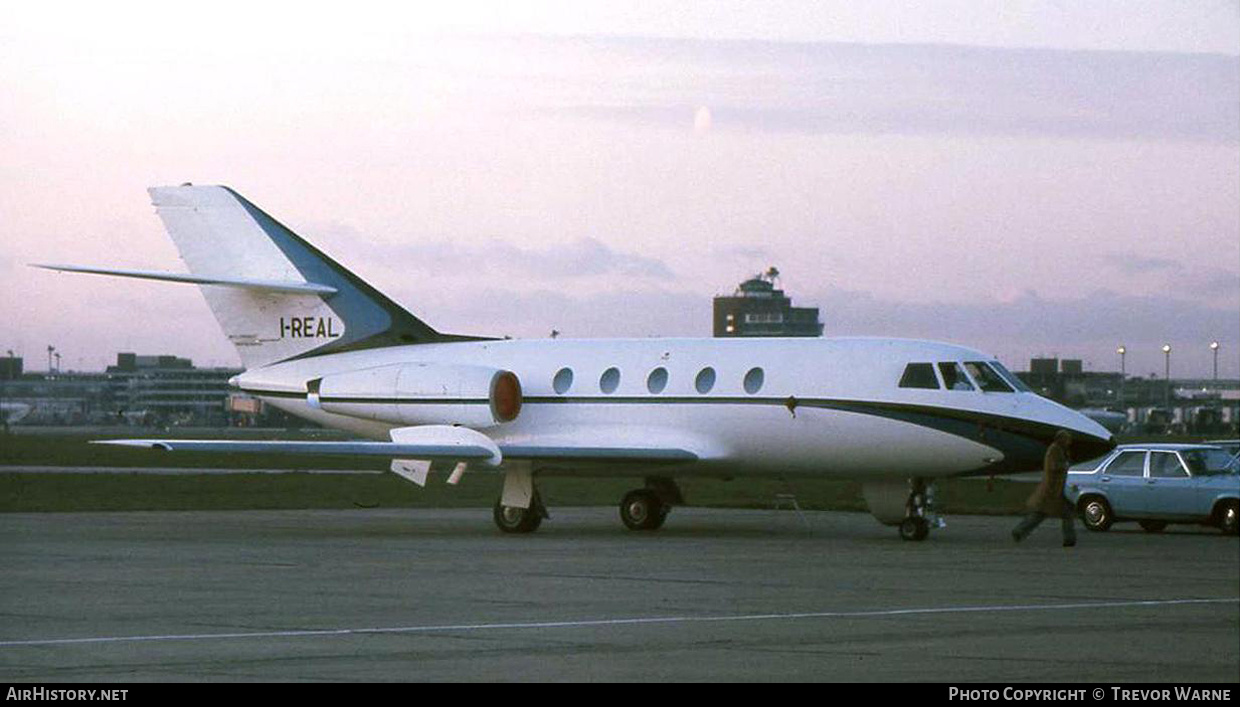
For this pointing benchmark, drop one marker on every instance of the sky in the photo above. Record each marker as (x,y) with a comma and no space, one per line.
(1027,178)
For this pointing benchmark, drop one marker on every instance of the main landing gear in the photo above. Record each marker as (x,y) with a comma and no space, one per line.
(646,509)
(520,509)
(514,519)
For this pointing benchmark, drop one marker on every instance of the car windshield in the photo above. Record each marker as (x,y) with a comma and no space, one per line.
(1209,461)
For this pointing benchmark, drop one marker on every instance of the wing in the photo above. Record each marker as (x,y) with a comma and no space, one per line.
(443,443)
(430,452)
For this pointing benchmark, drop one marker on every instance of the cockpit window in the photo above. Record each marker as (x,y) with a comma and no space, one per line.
(954,377)
(1010,377)
(919,375)
(987,378)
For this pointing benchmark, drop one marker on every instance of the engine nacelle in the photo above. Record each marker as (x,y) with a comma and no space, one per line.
(421,394)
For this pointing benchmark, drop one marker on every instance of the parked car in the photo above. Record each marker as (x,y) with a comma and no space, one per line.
(1232,446)
(1157,484)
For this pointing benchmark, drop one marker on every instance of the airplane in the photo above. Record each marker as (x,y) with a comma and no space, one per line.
(320,343)
(12,413)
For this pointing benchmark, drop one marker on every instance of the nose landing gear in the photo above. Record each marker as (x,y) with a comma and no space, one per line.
(907,505)
(920,514)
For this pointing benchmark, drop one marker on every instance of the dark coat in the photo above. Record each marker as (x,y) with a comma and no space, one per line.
(1048,496)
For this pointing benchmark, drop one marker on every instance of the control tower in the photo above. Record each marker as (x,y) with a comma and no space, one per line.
(757,308)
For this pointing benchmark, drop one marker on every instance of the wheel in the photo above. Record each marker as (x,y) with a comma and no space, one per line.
(1152,526)
(914,528)
(1096,513)
(511,519)
(1229,518)
(642,510)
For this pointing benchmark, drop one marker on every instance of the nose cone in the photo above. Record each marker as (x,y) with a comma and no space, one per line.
(1088,446)
(1089,439)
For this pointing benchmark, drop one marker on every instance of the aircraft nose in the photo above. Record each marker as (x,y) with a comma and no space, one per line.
(1087,446)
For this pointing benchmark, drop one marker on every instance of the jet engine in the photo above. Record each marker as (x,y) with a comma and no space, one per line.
(421,394)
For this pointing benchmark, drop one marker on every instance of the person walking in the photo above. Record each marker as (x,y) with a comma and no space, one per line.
(1048,498)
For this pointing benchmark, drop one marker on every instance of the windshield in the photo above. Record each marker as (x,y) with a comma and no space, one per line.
(1011,377)
(954,377)
(987,379)
(1209,461)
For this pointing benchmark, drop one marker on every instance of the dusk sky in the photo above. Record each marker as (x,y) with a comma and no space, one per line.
(1028,178)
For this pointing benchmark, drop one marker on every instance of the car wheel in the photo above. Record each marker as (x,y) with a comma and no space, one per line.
(1229,517)
(1096,513)
(1152,526)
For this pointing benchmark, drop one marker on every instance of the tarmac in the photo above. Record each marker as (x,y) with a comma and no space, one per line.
(717,595)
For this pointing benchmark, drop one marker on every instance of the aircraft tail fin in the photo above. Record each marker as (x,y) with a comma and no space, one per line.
(275,296)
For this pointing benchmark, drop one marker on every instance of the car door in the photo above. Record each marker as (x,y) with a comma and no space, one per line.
(1123,482)
(1170,491)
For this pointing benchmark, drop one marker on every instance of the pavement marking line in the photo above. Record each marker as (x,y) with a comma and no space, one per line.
(587,623)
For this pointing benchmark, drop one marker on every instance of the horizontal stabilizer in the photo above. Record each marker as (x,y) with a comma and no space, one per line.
(284,286)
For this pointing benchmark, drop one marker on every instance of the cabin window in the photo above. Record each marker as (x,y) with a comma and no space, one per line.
(657,380)
(919,375)
(563,380)
(753,380)
(954,377)
(610,380)
(987,378)
(705,380)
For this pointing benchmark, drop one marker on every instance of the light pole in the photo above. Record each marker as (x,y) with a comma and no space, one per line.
(1121,351)
(1214,348)
(1167,377)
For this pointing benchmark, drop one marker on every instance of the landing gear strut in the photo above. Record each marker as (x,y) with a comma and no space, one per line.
(919,511)
(646,509)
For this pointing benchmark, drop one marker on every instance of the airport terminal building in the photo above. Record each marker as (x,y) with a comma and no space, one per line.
(137,390)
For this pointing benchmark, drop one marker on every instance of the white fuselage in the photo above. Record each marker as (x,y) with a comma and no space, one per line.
(822,406)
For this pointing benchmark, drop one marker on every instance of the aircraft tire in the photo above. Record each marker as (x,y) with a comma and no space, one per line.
(642,510)
(516,520)
(914,528)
